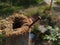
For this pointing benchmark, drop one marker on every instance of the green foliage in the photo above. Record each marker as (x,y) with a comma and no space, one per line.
(54,34)
(57,42)
(39,1)
(1,38)
(7,7)
(35,28)
(32,12)
(22,2)
(58,2)
(36,11)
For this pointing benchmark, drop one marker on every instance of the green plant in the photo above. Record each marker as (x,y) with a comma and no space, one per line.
(57,2)
(54,34)
(6,9)
(39,1)
(1,38)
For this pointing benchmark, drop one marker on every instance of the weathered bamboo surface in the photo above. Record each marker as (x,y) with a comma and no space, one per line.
(16,27)
(16,24)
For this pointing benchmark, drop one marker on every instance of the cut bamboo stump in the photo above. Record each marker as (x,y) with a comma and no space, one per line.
(16,29)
